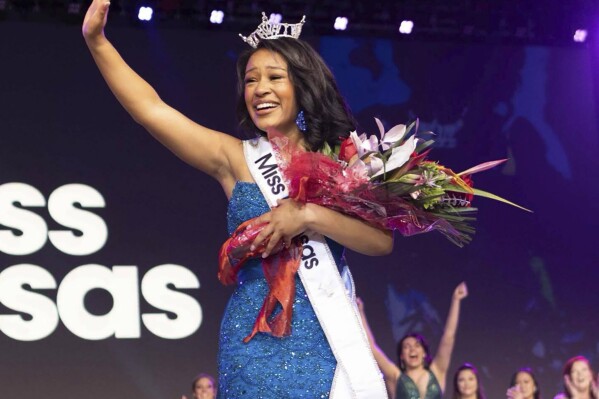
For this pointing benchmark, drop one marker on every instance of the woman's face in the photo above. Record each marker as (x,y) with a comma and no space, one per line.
(467,383)
(580,375)
(204,389)
(526,384)
(269,93)
(412,353)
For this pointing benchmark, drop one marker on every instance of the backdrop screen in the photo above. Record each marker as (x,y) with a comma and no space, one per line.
(108,242)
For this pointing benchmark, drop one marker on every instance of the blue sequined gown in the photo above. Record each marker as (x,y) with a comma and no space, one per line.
(299,366)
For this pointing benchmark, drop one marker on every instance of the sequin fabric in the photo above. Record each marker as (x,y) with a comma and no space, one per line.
(407,389)
(299,366)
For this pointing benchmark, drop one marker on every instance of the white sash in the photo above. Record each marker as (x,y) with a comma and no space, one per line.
(357,375)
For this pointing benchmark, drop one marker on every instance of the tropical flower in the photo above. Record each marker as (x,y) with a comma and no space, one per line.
(388,182)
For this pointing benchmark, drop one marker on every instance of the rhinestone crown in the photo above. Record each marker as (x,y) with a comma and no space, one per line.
(268,30)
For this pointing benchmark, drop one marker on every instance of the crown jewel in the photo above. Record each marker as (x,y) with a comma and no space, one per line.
(268,30)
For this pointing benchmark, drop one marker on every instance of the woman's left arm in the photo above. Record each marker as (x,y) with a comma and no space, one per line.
(290,218)
(440,363)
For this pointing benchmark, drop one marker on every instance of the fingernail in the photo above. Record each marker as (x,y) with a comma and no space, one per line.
(252,248)
(264,255)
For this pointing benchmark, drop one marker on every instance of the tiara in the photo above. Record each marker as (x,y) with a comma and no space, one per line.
(271,30)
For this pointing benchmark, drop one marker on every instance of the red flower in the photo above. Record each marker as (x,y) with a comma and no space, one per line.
(466,196)
(348,150)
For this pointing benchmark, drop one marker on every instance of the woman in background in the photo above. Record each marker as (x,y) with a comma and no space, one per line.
(466,383)
(579,380)
(524,385)
(417,375)
(203,387)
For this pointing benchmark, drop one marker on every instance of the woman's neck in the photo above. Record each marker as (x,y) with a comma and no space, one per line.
(295,137)
(582,395)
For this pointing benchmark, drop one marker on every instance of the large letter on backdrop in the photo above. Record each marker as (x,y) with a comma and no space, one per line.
(34,231)
(44,317)
(154,288)
(61,207)
(122,320)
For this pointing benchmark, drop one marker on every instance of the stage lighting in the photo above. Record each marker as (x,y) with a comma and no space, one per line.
(275,18)
(406,27)
(340,23)
(217,16)
(580,35)
(145,13)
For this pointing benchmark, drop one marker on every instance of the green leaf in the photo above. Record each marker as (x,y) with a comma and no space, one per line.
(486,194)
(424,145)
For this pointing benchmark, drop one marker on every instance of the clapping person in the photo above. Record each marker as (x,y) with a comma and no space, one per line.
(579,380)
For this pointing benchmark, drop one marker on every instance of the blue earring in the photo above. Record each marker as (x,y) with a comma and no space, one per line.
(300,121)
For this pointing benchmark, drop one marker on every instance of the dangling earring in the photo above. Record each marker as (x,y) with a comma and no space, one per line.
(300,121)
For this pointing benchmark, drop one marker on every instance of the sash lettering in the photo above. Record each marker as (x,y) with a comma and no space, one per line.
(271,174)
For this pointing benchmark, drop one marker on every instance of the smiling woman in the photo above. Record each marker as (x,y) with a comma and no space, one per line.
(418,374)
(291,69)
(580,381)
(466,383)
(284,86)
(269,94)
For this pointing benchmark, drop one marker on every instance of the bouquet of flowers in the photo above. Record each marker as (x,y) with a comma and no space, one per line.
(386,181)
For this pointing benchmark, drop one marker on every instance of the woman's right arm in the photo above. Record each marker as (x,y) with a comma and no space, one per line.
(213,152)
(390,371)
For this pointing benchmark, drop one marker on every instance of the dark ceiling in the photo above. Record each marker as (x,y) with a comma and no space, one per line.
(551,22)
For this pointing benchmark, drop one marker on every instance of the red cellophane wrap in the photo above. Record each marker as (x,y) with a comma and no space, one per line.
(315,178)
(279,268)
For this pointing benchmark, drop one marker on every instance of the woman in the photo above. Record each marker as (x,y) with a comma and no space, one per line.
(284,86)
(466,384)
(417,375)
(579,380)
(203,387)
(524,385)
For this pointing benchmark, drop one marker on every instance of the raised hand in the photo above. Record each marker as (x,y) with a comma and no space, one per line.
(461,291)
(95,19)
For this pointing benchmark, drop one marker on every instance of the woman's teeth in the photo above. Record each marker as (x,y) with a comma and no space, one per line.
(265,105)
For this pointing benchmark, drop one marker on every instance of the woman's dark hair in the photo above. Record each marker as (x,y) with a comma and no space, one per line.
(427,356)
(527,370)
(480,393)
(199,377)
(316,93)
(567,371)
